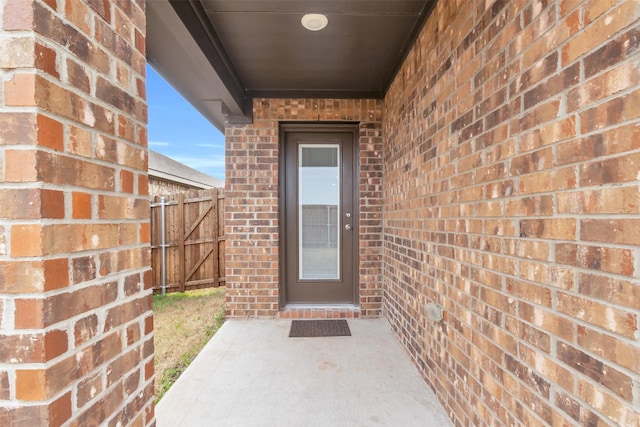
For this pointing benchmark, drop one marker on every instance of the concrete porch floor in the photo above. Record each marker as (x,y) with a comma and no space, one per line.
(252,374)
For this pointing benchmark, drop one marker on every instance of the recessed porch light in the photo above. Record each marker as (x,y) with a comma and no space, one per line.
(314,21)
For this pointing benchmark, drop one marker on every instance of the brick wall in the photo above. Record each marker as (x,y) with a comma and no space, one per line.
(76,324)
(252,205)
(511,198)
(160,187)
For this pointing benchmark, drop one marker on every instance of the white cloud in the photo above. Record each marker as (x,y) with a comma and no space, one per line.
(204,162)
(208,145)
(158,144)
(212,164)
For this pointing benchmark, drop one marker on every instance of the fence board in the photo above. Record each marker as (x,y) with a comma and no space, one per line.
(194,242)
(181,253)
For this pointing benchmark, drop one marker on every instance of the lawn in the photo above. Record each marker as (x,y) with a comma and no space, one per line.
(183,323)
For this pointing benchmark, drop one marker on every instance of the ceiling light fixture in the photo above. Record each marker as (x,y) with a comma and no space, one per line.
(314,21)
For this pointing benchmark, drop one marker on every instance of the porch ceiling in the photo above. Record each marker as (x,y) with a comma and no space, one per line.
(222,53)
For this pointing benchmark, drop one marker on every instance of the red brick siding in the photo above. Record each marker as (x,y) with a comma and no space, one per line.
(252,205)
(75,303)
(511,167)
(159,187)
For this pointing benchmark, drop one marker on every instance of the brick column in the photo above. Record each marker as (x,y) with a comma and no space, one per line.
(76,324)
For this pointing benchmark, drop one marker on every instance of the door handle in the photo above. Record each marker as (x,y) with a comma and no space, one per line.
(348,227)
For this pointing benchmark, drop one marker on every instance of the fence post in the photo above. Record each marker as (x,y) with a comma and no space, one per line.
(163,245)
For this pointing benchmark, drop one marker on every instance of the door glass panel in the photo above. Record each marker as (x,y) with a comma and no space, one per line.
(318,211)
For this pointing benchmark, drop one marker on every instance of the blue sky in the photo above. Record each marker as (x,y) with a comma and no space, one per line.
(179,131)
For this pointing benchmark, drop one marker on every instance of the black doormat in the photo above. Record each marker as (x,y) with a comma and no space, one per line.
(319,328)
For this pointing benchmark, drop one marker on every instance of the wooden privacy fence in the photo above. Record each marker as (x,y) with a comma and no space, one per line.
(194,240)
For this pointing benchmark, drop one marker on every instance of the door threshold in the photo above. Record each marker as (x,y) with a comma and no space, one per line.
(320,306)
(319,311)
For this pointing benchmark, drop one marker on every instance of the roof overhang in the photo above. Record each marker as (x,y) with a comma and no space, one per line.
(220,54)
(174,53)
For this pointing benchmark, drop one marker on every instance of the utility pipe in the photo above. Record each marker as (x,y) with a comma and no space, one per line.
(163,227)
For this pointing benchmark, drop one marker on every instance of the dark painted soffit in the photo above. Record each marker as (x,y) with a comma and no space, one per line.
(259,49)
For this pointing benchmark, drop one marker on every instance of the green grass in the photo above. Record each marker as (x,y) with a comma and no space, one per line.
(184,322)
(160,302)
